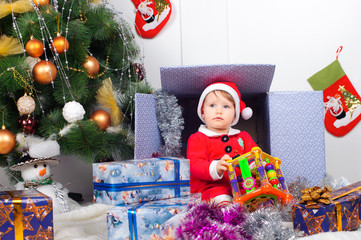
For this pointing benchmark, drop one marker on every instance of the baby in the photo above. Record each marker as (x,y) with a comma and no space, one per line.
(219,107)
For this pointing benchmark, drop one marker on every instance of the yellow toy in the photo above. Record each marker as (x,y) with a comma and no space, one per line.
(272,187)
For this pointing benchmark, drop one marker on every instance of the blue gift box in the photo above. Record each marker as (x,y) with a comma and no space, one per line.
(132,181)
(26,214)
(288,125)
(144,221)
(341,215)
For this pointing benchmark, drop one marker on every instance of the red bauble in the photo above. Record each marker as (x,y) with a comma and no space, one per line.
(139,71)
(28,124)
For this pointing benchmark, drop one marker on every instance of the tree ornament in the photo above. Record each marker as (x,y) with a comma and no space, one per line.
(9,45)
(41,2)
(44,72)
(91,65)
(60,43)
(25,104)
(102,118)
(7,141)
(73,111)
(139,71)
(34,47)
(30,61)
(105,98)
(28,124)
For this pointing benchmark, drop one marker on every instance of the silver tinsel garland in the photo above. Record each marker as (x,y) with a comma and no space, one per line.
(170,123)
(267,224)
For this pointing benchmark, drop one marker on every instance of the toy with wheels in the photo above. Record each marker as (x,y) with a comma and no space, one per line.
(273,187)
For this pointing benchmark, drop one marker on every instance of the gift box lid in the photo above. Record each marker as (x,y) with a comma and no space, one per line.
(353,189)
(250,78)
(152,170)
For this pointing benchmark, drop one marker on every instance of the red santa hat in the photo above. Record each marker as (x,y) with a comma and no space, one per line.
(232,89)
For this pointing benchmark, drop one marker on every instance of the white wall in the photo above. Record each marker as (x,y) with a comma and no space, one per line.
(300,37)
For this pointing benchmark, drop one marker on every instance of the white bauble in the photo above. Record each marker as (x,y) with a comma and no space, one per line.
(73,111)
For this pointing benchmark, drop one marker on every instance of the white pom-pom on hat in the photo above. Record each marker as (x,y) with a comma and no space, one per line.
(247,113)
(231,88)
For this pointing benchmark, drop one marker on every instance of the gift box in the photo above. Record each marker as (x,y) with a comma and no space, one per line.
(131,181)
(144,221)
(341,215)
(288,125)
(26,214)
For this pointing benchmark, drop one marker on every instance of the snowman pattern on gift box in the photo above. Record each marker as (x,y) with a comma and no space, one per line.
(35,166)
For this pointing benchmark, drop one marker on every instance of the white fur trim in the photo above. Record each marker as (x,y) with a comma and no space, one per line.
(223,87)
(213,170)
(222,198)
(203,129)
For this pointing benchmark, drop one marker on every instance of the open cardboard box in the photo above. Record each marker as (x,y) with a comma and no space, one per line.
(287,125)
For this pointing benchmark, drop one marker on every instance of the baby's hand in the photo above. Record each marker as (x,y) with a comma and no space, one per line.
(222,164)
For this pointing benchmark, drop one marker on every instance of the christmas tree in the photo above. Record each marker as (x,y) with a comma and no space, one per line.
(59,63)
(351,101)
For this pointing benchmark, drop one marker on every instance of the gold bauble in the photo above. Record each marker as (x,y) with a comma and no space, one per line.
(102,118)
(7,141)
(26,104)
(60,43)
(34,48)
(44,72)
(41,2)
(91,65)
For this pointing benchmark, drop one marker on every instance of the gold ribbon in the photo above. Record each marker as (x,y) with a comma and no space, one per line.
(105,97)
(346,193)
(338,207)
(338,216)
(9,45)
(18,217)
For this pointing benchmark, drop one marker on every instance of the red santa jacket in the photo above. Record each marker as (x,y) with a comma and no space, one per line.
(204,148)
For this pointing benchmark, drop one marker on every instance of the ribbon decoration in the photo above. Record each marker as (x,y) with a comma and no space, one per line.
(19,6)
(18,217)
(105,97)
(9,45)
(338,207)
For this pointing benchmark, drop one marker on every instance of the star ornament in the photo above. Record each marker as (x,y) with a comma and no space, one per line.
(39,211)
(314,224)
(5,213)
(341,88)
(352,218)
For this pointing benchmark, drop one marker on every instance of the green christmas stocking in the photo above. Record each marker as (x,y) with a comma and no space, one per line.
(342,102)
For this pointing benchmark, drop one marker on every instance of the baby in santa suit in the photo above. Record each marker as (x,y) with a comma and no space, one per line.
(219,107)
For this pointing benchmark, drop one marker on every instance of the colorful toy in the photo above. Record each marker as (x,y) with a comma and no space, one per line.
(272,186)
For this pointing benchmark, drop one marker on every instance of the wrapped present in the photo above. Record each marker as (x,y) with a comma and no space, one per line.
(342,214)
(131,181)
(145,221)
(26,214)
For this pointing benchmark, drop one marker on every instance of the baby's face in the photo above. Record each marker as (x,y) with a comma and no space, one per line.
(218,113)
